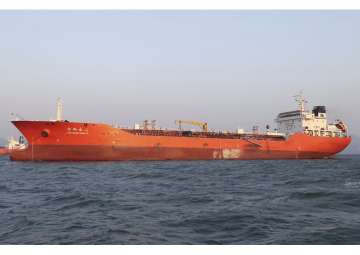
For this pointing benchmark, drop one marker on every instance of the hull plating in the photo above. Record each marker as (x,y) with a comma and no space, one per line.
(4,151)
(109,153)
(66,141)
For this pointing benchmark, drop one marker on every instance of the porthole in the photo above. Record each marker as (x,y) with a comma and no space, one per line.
(45,133)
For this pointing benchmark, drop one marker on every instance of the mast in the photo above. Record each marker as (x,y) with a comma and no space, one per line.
(301,101)
(59,109)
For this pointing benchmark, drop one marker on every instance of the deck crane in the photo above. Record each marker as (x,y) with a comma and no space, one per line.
(202,125)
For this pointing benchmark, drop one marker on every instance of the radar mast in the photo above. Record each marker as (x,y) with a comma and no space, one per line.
(301,101)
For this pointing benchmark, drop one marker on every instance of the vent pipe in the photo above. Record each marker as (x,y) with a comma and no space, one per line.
(59,109)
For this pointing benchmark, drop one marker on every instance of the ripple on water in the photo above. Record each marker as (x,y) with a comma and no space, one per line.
(217,202)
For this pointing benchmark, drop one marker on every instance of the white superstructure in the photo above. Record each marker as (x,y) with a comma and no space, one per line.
(16,145)
(312,123)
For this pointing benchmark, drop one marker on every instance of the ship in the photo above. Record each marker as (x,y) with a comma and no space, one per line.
(300,134)
(12,146)
(3,151)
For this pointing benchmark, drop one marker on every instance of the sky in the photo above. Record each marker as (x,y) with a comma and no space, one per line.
(233,69)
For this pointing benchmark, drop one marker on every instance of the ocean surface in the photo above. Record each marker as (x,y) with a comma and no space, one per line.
(198,202)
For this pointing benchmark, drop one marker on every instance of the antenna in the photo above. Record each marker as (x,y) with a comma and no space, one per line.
(59,109)
(301,101)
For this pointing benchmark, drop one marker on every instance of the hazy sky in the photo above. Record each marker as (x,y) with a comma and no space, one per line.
(230,68)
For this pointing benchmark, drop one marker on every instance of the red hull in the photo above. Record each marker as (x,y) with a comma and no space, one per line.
(4,151)
(66,141)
